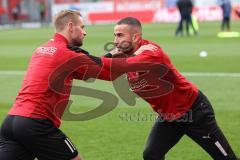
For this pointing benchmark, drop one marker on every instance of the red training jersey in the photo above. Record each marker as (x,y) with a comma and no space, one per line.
(37,99)
(174,94)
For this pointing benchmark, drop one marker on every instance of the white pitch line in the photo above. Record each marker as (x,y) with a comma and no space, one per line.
(11,73)
(190,74)
(209,74)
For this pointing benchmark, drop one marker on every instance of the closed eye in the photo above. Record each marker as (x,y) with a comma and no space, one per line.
(118,34)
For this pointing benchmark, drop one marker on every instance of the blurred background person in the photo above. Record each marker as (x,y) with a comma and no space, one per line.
(226,11)
(185,8)
(42,10)
(16,13)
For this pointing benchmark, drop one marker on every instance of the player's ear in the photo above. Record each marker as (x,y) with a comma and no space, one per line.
(70,26)
(136,37)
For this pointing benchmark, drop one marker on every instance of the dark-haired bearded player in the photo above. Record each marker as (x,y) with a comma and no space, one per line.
(180,99)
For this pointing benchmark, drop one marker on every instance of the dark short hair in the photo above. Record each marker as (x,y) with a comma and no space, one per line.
(130,21)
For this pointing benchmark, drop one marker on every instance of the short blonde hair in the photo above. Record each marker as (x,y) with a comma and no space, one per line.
(63,17)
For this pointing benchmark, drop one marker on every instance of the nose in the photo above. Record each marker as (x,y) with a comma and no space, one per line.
(84,33)
(116,41)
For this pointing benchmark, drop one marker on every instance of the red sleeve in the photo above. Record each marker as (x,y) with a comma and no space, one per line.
(94,71)
(91,69)
(82,66)
(124,65)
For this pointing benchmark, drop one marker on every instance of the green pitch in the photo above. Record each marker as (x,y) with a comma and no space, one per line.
(121,134)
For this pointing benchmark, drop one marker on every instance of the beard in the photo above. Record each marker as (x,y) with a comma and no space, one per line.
(77,42)
(126,48)
(123,52)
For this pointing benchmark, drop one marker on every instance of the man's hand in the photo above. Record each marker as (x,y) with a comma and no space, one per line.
(115,53)
(77,49)
(148,47)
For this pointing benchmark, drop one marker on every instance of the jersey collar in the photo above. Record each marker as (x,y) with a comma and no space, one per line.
(59,37)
